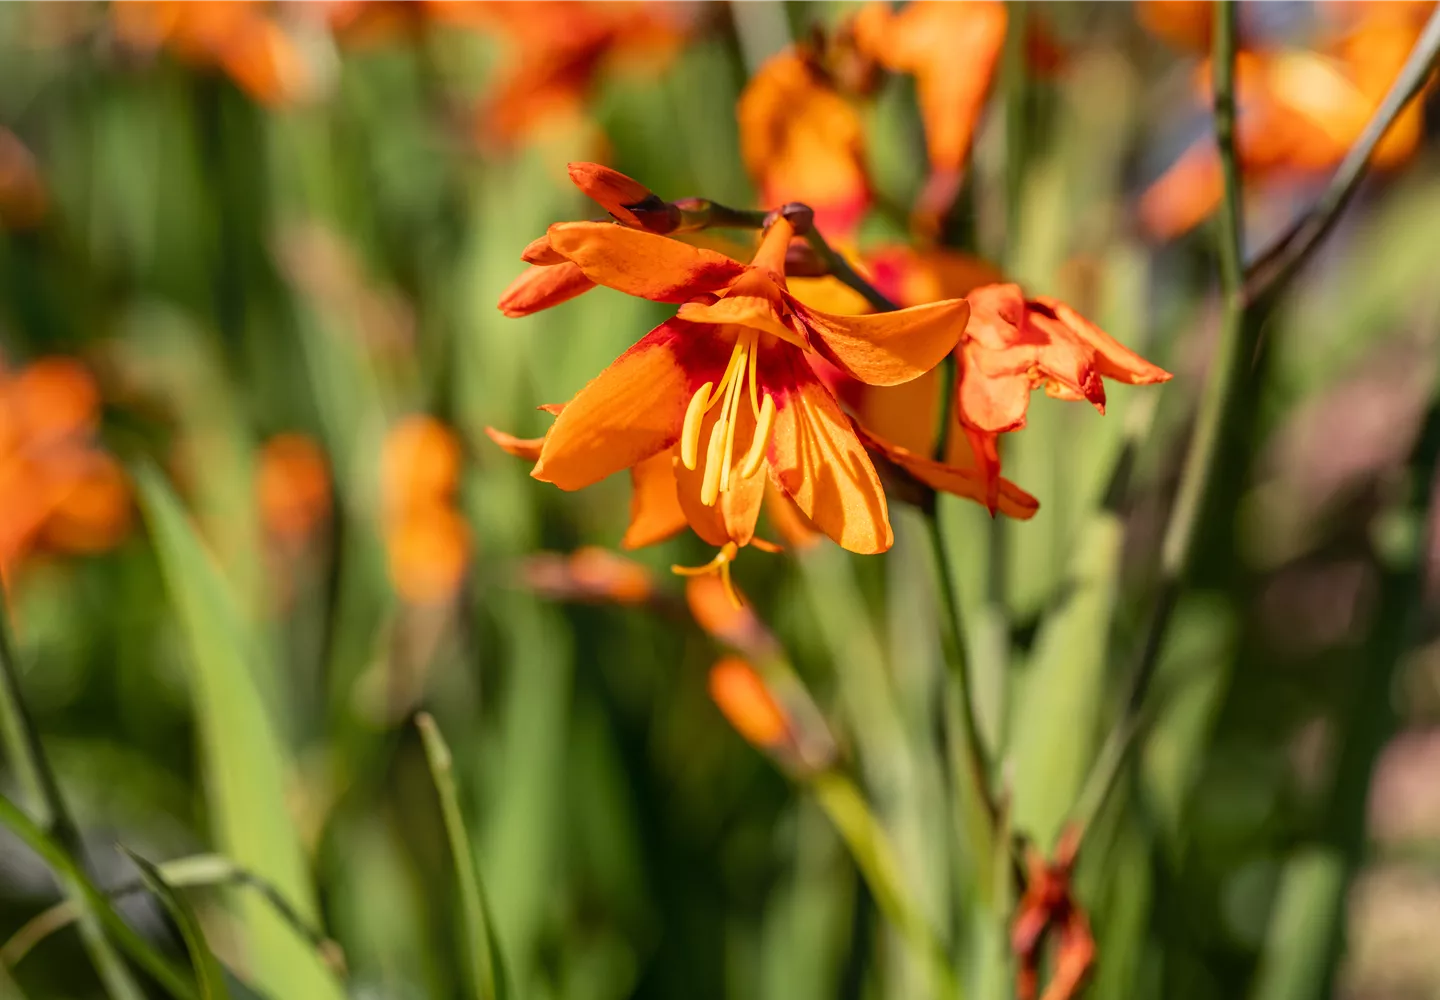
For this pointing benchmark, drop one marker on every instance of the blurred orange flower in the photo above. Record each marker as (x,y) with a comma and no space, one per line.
(293,485)
(1048,907)
(952,48)
(803,141)
(57,489)
(739,331)
(243,38)
(1299,111)
(1185,24)
(556,50)
(24,199)
(427,541)
(742,697)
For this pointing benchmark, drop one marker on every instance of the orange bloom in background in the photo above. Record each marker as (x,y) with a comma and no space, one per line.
(1185,24)
(725,387)
(58,490)
(556,51)
(243,38)
(803,141)
(590,573)
(747,704)
(1299,112)
(427,541)
(553,279)
(1048,908)
(24,198)
(951,48)
(293,487)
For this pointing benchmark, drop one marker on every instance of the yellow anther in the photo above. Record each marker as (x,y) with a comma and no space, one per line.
(754,397)
(764,427)
(710,485)
(720,564)
(690,433)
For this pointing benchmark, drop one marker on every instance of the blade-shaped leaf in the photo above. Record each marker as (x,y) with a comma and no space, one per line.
(208,972)
(244,759)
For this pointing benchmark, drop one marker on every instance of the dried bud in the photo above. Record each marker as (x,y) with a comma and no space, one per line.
(629,201)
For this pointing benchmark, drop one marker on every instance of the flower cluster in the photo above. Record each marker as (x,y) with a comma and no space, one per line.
(1300,110)
(58,490)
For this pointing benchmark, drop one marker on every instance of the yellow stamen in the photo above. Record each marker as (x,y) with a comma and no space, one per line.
(764,427)
(754,396)
(732,411)
(690,433)
(737,360)
(710,485)
(720,564)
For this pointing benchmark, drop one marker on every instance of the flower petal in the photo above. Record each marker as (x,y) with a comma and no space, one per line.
(526,448)
(1011,500)
(655,512)
(541,287)
(642,264)
(1112,358)
(817,459)
(632,409)
(886,348)
(992,403)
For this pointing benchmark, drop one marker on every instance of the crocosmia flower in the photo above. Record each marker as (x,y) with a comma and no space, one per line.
(803,141)
(1014,345)
(726,388)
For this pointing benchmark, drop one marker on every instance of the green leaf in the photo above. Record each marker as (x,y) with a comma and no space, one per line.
(245,762)
(208,973)
(485,967)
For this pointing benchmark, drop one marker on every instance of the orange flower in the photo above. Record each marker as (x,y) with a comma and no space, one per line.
(557,50)
(1014,345)
(802,141)
(739,333)
(23,197)
(952,48)
(1185,24)
(57,489)
(428,551)
(1047,907)
(426,539)
(552,279)
(293,487)
(742,697)
(239,37)
(1298,111)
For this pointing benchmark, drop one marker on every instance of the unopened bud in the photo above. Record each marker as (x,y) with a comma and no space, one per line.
(625,198)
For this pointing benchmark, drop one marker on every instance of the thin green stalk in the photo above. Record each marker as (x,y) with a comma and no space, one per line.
(37,779)
(485,970)
(176,983)
(200,870)
(875,858)
(840,268)
(1226,386)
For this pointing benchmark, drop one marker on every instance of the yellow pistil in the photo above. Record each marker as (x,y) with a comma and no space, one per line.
(720,448)
(720,564)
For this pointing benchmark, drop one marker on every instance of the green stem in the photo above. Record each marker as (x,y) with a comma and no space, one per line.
(840,269)
(875,858)
(68,871)
(37,779)
(1226,387)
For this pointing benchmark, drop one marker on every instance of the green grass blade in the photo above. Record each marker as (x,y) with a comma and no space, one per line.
(485,965)
(208,973)
(245,761)
(68,871)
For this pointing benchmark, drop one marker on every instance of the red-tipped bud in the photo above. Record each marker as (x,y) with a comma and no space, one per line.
(629,201)
(543,286)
